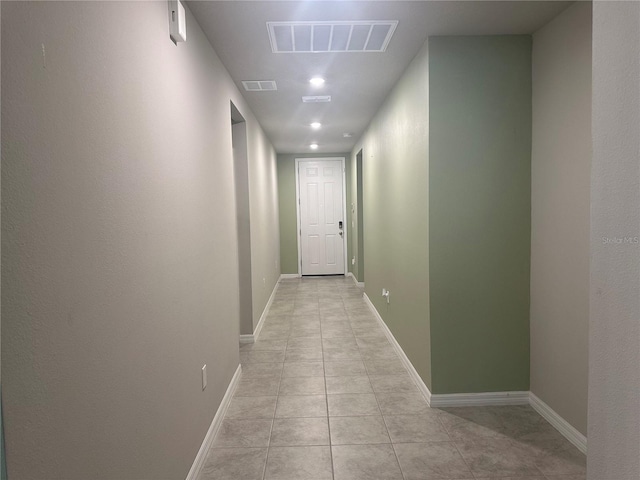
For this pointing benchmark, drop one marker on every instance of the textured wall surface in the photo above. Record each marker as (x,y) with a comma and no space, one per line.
(395,198)
(119,245)
(264,217)
(479,212)
(560,183)
(243,217)
(614,320)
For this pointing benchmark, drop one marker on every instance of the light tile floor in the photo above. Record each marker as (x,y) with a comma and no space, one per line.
(323,395)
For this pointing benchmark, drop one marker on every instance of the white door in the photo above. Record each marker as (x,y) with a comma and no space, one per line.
(321,216)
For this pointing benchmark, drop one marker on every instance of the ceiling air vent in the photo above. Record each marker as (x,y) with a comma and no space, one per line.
(316,99)
(259,85)
(323,37)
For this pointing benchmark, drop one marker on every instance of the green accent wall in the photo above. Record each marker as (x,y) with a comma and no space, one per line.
(395,200)
(480,212)
(3,464)
(287,203)
(445,204)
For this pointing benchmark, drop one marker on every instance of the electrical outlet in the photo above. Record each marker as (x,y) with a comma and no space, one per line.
(353,261)
(204,376)
(386,293)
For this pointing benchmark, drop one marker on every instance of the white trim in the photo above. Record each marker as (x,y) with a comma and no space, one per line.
(284,276)
(483,399)
(355,280)
(403,357)
(479,399)
(559,423)
(244,339)
(263,317)
(448,400)
(198,462)
(344,207)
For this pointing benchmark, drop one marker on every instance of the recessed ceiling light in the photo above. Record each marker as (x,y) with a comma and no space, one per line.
(317,81)
(313,146)
(316,125)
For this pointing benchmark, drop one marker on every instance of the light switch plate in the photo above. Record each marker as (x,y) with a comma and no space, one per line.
(177,21)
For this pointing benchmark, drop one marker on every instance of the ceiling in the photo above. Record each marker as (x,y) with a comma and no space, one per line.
(357,82)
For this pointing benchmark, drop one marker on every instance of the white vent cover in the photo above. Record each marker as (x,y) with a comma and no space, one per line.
(316,99)
(259,85)
(321,37)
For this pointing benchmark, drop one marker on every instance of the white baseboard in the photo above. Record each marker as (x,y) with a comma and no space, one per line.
(479,399)
(198,463)
(483,399)
(263,317)
(403,357)
(355,280)
(559,423)
(247,339)
(284,276)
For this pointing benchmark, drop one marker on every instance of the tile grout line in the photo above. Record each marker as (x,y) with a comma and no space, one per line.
(326,398)
(324,297)
(273,420)
(393,448)
(455,444)
(460,453)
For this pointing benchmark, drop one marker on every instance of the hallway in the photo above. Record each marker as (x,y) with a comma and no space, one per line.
(323,395)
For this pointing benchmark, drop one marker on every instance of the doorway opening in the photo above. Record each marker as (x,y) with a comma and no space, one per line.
(359,270)
(241,181)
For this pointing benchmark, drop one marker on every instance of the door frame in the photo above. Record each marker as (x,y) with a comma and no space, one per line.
(298,161)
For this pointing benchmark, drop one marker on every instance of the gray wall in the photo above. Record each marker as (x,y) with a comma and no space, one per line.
(355,204)
(3,465)
(479,212)
(395,207)
(560,179)
(243,218)
(287,201)
(446,199)
(614,326)
(119,246)
(264,216)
